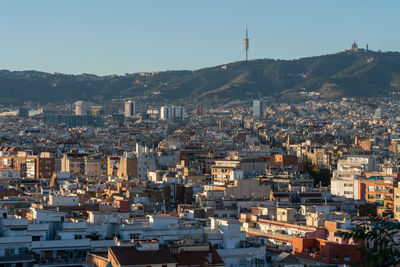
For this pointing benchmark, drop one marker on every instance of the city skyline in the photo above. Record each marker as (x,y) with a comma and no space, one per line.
(199,133)
(103,38)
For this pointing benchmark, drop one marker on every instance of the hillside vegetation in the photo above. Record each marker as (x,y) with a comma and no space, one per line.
(362,73)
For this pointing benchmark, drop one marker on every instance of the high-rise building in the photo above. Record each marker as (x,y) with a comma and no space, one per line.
(380,111)
(172,113)
(130,109)
(164,113)
(258,109)
(81,108)
(177,113)
(201,109)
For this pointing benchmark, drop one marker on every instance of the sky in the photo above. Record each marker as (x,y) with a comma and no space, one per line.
(127,36)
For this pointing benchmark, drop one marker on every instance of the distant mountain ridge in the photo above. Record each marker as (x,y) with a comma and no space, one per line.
(353,74)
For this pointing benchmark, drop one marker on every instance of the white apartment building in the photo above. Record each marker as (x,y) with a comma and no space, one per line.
(64,200)
(344,180)
(232,245)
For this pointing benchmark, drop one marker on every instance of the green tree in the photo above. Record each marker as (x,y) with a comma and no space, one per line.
(380,237)
(318,173)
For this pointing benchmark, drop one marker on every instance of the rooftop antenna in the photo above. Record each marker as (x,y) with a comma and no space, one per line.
(246,43)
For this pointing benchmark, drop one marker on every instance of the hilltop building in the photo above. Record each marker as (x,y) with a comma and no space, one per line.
(354,47)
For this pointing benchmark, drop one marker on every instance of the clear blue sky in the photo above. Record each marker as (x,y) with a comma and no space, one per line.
(117,36)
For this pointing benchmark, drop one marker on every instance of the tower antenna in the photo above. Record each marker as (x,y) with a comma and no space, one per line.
(246,43)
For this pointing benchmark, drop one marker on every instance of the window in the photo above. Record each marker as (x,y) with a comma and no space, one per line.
(324,256)
(23,251)
(9,252)
(78,236)
(134,236)
(346,258)
(335,257)
(217,246)
(243,262)
(35,238)
(371,188)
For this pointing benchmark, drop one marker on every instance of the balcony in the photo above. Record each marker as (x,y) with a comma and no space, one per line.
(17,259)
(382,190)
(62,262)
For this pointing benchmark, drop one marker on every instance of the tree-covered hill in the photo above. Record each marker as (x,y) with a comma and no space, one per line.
(361,73)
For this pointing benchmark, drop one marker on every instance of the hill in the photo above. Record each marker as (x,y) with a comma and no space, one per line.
(353,74)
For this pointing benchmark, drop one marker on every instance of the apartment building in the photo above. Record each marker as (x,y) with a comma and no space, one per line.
(344,179)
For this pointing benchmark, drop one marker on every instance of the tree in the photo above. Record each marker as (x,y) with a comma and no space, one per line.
(318,173)
(381,239)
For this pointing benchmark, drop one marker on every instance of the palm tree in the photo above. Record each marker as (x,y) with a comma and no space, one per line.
(381,240)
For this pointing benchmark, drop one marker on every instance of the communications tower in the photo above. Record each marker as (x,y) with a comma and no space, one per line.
(246,44)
